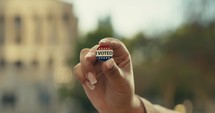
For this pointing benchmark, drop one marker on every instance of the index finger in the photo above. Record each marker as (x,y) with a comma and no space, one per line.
(87,63)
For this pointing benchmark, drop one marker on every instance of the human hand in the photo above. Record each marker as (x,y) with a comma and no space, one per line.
(109,85)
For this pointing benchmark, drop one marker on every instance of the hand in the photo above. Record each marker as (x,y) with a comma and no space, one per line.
(109,85)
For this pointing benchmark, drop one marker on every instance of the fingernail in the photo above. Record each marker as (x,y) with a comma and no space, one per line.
(75,67)
(110,63)
(92,78)
(103,41)
(89,85)
(89,54)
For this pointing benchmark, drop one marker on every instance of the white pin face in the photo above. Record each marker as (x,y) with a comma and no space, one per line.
(104,53)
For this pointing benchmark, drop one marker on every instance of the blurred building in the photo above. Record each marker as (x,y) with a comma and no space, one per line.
(37,38)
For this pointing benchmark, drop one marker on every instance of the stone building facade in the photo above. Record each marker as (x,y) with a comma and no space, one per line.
(37,39)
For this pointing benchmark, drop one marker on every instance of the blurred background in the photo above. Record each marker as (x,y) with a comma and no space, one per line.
(172,45)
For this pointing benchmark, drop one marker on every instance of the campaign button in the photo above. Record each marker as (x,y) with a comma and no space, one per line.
(104,53)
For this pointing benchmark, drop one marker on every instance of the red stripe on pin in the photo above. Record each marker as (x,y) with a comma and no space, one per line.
(104,53)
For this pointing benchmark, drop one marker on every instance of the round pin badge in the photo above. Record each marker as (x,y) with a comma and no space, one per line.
(104,53)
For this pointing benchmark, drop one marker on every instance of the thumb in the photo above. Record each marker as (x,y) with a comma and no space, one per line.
(111,70)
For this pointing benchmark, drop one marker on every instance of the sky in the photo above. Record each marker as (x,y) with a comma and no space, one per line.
(129,16)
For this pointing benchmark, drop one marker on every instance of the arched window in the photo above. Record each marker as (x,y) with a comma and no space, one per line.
(8,100)
(67,19)
(2,63)
(35,63)
(18,29)
(50,62)
(44,97)
(18,64)
(2,29)
(38,30)
(52,29)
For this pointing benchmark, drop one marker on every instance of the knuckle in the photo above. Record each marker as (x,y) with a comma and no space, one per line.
(85,50)
(113,70)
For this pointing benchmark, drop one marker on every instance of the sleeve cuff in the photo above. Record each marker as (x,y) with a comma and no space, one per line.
(150,108)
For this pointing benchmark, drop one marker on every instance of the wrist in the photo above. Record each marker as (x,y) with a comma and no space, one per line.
(138,105)
(135,106)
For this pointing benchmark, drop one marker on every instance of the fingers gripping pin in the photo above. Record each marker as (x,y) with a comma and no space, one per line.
(104,53)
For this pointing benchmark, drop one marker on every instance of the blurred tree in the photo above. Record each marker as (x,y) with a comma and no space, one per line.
(142,48)
(185,68)
(195,47)
(199,11)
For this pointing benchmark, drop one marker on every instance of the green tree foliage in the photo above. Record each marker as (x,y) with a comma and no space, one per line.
(181,65)
(184,68)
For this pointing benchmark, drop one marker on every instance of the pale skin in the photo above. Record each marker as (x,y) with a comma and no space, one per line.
(109,85)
